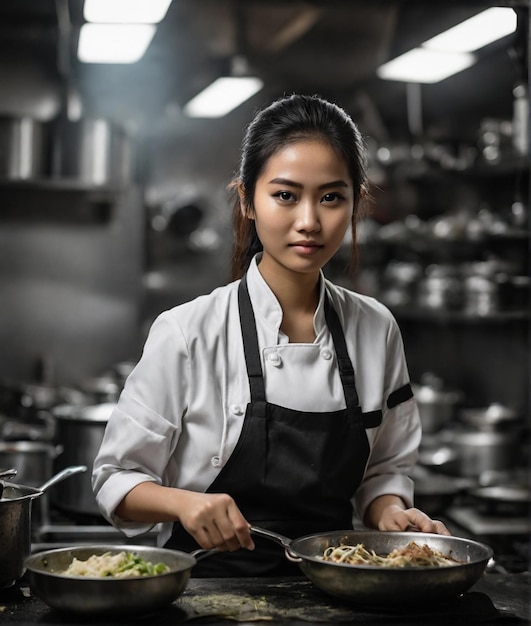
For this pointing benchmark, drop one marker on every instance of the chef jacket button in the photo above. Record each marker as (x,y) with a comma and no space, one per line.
(236,409)
(274,359)
(326,354)
(215,461)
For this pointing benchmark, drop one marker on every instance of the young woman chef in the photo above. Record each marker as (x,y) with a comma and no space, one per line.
(281,399)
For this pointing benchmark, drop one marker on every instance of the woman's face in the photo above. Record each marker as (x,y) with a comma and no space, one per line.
(303,205)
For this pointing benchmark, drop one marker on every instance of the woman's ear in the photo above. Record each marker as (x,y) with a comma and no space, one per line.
(245,208)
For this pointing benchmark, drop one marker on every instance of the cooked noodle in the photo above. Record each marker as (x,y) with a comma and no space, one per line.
(119,565)
(412,555)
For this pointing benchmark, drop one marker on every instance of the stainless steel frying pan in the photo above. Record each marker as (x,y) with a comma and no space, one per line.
(380,586)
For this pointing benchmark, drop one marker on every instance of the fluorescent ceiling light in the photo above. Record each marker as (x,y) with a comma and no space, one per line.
(424,66)
(114,43)
(476,32)
(450,51)
(125,11)
(222,96)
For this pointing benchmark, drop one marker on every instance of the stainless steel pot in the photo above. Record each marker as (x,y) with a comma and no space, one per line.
(15,524)
(437,405)
(91,151)
(22,148)
(385,586)
(79,431)
(485,451)
(33,460)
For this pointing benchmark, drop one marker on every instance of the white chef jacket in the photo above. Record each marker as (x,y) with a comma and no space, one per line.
(182,408)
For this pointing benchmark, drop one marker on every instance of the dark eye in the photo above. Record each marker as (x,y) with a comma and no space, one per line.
(285,196)
(332,197)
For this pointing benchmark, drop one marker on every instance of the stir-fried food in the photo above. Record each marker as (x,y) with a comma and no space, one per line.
(119,565)
(412,555)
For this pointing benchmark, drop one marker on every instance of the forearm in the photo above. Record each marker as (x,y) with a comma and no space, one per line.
(213,519)
(151,503)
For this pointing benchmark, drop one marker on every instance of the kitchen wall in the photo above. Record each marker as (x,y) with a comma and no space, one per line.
(71,258)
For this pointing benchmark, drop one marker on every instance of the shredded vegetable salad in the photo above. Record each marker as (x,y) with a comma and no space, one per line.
(119,565)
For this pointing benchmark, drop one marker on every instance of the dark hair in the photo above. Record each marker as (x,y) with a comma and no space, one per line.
(287,120)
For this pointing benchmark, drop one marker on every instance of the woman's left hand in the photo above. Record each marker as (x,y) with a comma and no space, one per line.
(393,517)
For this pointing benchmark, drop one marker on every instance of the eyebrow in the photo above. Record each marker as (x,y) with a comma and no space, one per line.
(286,181)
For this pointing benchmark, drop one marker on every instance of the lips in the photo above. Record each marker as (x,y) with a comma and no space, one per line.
(305,243)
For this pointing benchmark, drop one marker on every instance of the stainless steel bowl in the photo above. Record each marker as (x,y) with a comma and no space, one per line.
(107,596)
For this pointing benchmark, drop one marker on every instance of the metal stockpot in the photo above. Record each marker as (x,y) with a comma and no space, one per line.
(484,451)
(33,460)
(15,524)
(91,151)
(437,405)
(79,431)
(23,145)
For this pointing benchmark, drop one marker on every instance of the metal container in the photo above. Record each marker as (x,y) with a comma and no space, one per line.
(80,432)
(437,405)
(379,587)
(495,416)
(15,524)
(33,460)
(23,148)
(481,295)
(440,293)
(97,596)
(485,451)
(90,151)
(15,532)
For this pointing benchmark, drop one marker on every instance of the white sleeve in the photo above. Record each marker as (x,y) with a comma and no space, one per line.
(394,444)
(144,427)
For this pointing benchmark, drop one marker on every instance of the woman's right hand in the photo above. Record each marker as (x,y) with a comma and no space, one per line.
(214,521)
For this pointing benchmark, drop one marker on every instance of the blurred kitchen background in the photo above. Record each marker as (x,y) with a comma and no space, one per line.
(114,207)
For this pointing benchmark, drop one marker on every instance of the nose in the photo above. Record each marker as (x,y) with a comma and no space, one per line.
(307,217)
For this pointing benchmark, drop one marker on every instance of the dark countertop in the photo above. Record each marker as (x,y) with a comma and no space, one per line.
(494,599)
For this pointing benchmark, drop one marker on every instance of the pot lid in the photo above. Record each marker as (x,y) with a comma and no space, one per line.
(92,413)
(492,414)
(431,390)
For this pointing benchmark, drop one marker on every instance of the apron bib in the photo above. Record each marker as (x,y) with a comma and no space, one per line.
(293,472)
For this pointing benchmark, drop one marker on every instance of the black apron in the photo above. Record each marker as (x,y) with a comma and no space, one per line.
(293,472)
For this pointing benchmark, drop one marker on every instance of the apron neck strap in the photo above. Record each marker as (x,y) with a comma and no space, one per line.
(346,369)
(252,351)
(250,343)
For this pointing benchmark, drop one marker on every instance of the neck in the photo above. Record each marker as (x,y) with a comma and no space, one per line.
(296,293)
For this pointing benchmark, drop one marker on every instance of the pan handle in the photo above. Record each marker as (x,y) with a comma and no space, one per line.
(202,553)
(277,538)
(269,534)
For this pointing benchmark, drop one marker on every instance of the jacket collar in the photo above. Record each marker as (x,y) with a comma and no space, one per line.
(267,308)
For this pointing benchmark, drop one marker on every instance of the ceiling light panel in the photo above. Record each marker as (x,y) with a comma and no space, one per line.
(476,32)
(125,11)
(421,65)
(222,96)
(114,43)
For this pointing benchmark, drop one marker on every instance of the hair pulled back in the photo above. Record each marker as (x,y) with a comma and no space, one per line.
(287,120)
